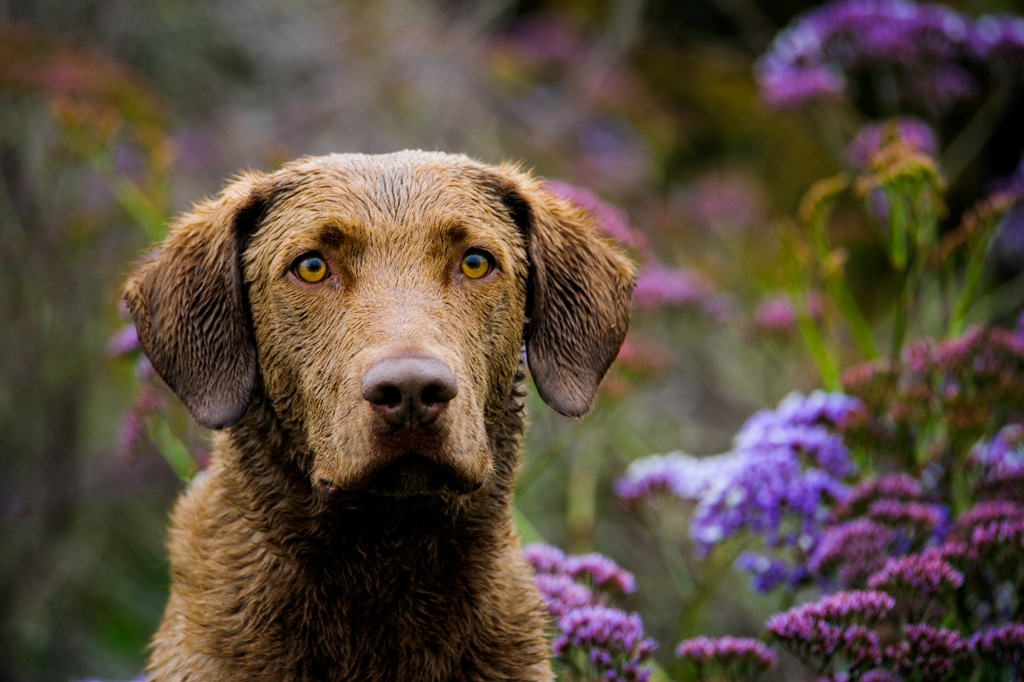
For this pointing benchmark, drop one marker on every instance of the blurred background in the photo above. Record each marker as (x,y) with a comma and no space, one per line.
(116,114)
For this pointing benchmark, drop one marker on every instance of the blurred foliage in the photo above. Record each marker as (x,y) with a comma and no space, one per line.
(115,115)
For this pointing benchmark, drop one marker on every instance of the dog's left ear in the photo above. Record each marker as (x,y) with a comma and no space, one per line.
(580,293)
(190,310)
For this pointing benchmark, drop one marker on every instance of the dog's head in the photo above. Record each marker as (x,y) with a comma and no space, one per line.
(379,305)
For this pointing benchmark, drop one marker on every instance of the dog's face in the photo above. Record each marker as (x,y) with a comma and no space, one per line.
(378,304)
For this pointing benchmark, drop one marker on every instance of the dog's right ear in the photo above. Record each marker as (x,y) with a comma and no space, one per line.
(190,310)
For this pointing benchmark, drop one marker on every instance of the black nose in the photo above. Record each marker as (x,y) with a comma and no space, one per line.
(409,390)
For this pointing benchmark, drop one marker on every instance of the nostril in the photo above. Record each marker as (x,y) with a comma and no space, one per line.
(385,395)
(409,390)
(438,393)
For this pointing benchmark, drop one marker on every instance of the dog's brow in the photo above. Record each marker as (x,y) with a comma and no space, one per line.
(334,235)
(454,231)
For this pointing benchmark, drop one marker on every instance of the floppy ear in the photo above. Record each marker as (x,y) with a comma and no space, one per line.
(190,310)
(580,293)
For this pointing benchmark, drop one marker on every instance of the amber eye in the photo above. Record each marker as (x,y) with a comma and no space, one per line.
(475,264)
(310,268)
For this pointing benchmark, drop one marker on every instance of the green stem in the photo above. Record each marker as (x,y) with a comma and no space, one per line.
(978,130)
(130,197)
(820,355)
(1000,301)
(678,571)
(835,285)
(173,450)
(859,327)
(969,293)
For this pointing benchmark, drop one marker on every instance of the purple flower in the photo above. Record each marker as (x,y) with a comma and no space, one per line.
(1004,644)
(562,594)
(862,606)
(837,625)
(659,286)
(767,572)
(852,551)
(544,558)
(920,582)
(612,221)
(739,656)
(1001,463)
(919,46)
(777,482)
(133,421)
(896,486)
(998,36)
(926,574)
(912,132)
(775,315)
(723,202)
(792,87)
(123,342)
(682,475)
(926,652)
(600,571)
(917,522)
(613,641)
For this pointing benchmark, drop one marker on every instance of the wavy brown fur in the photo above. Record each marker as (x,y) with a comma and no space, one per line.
(294,558)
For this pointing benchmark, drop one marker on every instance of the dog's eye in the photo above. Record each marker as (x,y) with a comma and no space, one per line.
(310,268)
(476,264)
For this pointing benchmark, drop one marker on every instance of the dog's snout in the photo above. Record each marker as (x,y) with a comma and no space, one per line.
(409,391)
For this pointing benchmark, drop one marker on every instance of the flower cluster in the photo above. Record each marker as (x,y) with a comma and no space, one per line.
(835,627)
(965,572)
(737,658)
(594,638)
(912,132)
(970,383)
(925,49)
(999,463)
(611,220)
(662,286)
(921,582)
(1004,644)
(786,467)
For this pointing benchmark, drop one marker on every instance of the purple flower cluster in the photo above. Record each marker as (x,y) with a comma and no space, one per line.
(918,522)
(594,569)
(912,132)
(970,383)
(661,286)
(611,220)
(921,583)
(1000,464)
(594,638)
(722,202)
(985,513)
(613,640)
(896,486)
(737,657)
(852,551)
(837,626)
(786,466)
(1004,644)
(924,48)
(927,652)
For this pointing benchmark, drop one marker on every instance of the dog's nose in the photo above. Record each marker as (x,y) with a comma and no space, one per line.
(409,391)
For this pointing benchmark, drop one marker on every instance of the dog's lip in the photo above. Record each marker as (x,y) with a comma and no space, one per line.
(416,474)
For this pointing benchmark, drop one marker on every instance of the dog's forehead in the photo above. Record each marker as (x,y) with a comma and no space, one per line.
(407,192)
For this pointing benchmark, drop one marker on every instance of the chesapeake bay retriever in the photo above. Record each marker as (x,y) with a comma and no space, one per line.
(353,326)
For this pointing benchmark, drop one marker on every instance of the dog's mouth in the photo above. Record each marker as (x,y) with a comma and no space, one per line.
(414,474)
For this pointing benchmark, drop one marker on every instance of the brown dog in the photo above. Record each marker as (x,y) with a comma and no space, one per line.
(355,324)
